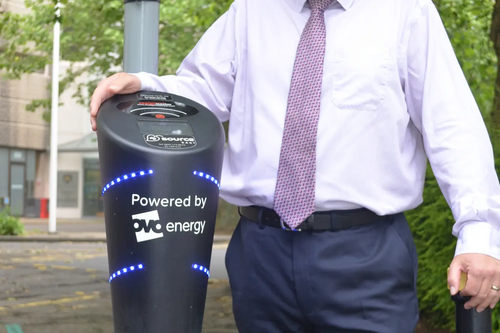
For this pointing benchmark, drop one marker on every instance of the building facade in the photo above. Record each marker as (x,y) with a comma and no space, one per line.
(79,179)
(25,152)
(24,138)
(25,147)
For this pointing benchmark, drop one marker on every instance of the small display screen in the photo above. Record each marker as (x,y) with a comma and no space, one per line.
(165,127)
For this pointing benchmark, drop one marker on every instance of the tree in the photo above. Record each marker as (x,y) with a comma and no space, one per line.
(468,25)
(92,38)
(495,38)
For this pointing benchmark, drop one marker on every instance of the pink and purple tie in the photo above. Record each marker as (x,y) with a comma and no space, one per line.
(295,186)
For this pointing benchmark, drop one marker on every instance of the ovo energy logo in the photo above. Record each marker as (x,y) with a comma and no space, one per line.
(147,226)
(143,229)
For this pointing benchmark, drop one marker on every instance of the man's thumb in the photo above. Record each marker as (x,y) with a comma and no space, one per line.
(119,83)
(454,275)
(124,84)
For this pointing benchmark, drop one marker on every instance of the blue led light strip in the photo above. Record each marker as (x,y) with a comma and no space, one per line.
(201,269)
(125,178)
(207,177)
(126,270)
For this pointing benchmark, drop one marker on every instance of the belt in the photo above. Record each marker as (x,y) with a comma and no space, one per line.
(320,221)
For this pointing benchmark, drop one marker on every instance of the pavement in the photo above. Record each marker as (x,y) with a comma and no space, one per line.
(45,286)
(49,282)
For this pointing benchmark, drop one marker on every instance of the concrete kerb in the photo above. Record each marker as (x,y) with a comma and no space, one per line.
(85,230)
(218,239)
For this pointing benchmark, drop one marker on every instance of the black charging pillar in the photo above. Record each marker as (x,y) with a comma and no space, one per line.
(161,161)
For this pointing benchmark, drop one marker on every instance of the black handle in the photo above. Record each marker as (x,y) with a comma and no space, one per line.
(470,321)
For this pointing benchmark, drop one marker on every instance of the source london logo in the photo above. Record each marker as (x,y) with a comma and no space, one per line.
(153,138)
(143,228)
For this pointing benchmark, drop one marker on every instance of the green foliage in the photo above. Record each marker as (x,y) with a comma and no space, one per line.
(468,23)
(431,226)
(92,39)
(496,144)
(10,225)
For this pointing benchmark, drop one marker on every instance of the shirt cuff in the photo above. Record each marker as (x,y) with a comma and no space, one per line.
(479,237)
(147,81)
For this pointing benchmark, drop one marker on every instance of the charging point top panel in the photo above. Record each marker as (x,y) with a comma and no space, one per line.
(158,106)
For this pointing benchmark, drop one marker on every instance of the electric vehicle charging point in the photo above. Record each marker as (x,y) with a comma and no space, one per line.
(161,160)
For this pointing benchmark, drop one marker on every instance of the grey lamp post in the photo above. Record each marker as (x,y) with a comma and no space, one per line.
(142,19)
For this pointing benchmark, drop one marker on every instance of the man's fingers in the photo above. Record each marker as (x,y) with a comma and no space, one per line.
(454,275)
(480,296)
(494,295)
(93,123)
(121,83)
(480,288)
(483,272)
(102,93)
(473,285)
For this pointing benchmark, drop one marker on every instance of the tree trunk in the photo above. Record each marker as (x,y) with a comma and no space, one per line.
(495,38)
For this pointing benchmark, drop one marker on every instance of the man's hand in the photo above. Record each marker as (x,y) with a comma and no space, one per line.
(483,277)
(120,83)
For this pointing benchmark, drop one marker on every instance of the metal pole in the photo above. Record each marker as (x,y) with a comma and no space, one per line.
(54,123)
(471,321)
(142,19)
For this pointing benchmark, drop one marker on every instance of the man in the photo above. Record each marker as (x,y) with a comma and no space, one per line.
(334,107)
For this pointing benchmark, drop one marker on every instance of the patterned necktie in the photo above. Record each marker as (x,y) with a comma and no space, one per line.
(295,186)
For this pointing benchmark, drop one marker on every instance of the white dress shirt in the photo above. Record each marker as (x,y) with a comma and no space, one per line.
(393,95)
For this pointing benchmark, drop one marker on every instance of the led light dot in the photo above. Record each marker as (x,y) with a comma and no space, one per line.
(125,177)
(201,269)
(124,271)
(208,177)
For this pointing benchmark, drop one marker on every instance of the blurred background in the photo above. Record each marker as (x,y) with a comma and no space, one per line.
(91,49)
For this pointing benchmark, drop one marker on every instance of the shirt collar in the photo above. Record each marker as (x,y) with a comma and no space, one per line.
(298,5)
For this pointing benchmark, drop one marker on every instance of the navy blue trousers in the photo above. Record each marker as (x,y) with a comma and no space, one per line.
(362,279)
